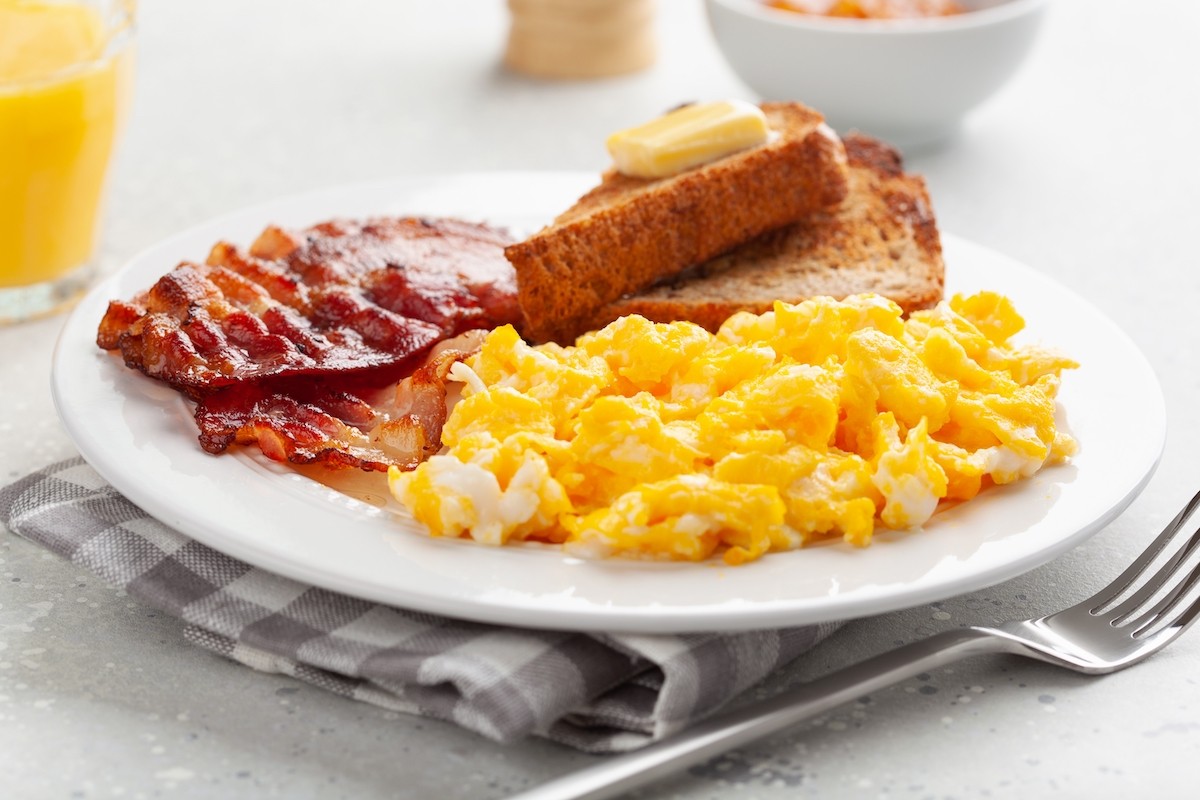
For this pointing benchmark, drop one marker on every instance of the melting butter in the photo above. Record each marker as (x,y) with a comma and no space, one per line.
(688,137)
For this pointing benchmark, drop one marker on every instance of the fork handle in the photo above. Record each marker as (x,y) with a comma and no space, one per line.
(747,724)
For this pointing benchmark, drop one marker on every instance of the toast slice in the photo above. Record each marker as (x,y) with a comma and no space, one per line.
(882,239)
(628,233)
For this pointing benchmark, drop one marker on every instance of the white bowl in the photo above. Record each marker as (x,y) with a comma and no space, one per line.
(910,82)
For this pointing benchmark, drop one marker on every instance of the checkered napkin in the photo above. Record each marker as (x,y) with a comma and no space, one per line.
(600,693)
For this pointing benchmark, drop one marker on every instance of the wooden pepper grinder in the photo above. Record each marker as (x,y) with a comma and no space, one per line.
(576,39)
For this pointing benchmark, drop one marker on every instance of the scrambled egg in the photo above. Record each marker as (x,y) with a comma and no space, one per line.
(819,419)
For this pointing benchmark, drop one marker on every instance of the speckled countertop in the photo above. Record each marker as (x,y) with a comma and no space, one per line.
(1084,168)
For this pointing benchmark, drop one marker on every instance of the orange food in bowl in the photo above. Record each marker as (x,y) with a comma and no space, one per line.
(871,9)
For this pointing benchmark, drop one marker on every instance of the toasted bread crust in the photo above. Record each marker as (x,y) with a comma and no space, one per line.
(628,233)
(882,239)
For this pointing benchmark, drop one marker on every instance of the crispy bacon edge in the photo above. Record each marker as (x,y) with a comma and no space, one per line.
(338,428)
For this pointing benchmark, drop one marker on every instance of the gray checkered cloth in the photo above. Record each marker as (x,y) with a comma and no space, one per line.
(599,693)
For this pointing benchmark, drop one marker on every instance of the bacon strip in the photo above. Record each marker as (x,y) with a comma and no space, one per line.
(287,346)
(337,298)
(413,427)
(302,427)
(316,423)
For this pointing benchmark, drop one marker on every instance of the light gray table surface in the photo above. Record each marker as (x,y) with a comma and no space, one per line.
(1085,167)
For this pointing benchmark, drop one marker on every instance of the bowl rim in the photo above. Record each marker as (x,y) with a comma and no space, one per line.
(1006,10)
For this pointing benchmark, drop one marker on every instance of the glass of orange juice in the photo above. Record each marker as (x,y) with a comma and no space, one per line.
(66,74)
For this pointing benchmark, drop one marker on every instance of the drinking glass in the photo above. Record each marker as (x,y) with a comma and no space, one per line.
(66,74)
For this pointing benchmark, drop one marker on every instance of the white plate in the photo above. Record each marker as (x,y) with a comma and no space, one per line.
(139,435)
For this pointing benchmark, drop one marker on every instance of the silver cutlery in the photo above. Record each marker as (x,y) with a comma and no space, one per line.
(1143,610)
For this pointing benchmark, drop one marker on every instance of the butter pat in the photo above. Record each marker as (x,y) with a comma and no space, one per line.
(688,137)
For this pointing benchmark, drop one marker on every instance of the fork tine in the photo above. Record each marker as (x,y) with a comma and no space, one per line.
(1167,605)
(1160,578)
(1123,581)
(1188,616)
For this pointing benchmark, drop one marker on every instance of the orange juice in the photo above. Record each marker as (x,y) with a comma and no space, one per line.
(64,88)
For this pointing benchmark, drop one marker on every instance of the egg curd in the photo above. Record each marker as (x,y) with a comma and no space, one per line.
(820,419)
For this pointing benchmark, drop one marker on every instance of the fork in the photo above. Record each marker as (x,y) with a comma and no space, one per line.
(1139,613)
